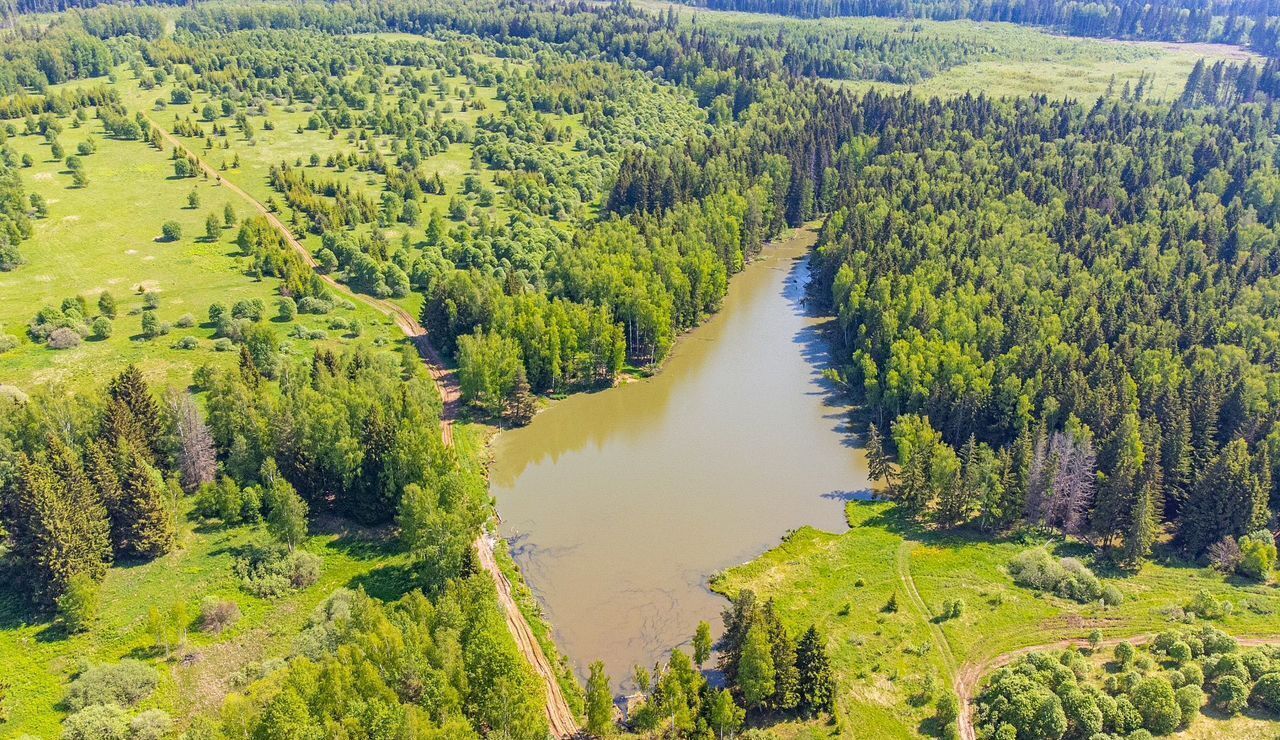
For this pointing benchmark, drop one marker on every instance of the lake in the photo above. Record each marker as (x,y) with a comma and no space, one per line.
(620,504)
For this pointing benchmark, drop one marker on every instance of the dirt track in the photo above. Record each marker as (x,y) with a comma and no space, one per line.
(559,715)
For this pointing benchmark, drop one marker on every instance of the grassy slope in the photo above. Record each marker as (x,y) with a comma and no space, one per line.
(887,662)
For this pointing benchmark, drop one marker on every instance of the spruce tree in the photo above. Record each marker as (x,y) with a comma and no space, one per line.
(130,389)
(878,464)
(817,687)
(57,525)
(1226,500)
(144,506)
(782,650)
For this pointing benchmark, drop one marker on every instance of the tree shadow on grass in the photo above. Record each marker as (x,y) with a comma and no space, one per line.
(385,583)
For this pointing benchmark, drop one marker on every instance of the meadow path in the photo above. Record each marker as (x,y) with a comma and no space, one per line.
(559,715)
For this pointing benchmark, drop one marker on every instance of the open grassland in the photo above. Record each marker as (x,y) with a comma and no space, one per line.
(39,657)
(891,665)
(1004,59)
(107,237)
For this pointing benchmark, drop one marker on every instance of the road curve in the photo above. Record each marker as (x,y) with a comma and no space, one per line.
(559,716)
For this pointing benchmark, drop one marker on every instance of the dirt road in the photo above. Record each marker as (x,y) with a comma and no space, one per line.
(559,715)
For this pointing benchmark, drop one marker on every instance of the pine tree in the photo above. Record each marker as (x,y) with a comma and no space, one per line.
(130,389)
(782,650)
(57,526)
(878,463)
(817,687)
(144,506)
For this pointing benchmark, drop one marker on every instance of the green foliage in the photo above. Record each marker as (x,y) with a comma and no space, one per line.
(97,722)
(599,701)
(1258,555)
(78,605)
(171,231)
(1065,577)
(123,684)
(755,673)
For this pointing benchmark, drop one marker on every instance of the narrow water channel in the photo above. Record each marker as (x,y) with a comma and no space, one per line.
(619,505)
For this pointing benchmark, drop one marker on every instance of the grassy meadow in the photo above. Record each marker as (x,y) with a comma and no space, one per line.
(892,665)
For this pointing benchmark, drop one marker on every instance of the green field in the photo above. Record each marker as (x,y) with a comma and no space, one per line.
(107,237)
(892,666)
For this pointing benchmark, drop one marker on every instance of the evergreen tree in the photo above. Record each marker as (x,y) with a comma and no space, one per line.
(782,650)
(817,687)
(57,525)
(129,388)
(1227,500)
(878,464)
(144,509)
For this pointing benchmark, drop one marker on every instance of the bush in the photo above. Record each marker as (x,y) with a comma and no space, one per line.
(99,722)
(1124,653)
(287,309)
(78,605)
(223,344)
(218,615)
(1231,695)
(1193,675)
(185,321)
(101,328)
(186,343)
(1224,555)
(1205,606)
(7,342)
(125,683)
(171,231)
(273,571)
(153,724)
(1257,555)
(64,338)
(1069,578)
(1266,693)
(1190,699)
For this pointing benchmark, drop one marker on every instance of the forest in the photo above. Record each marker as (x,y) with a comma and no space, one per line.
(1058,316)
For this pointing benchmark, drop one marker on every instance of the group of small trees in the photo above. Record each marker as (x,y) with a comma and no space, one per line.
(1158,688)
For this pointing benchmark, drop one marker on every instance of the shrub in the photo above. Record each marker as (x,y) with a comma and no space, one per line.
(1231,695)
(171,231)
(151,300)
(102,328)
(1193,675)
(288,308)
(99,722)
(1180,651)
(1190,699)
(125,683)
(1266,693)
(1257,555)
(153,724)
(78,605)
(223,344)
(1069,578)
(217,615)
(63,338)
(7,342)
(1205,606)
(186,343)
(272,571)
(185,321)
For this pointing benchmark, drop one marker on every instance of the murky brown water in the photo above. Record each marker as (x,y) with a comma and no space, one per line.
(620,504)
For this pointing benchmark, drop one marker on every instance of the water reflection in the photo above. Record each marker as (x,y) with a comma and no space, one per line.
(620,504)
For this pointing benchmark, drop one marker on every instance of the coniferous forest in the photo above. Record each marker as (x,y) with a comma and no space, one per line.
(273,273)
